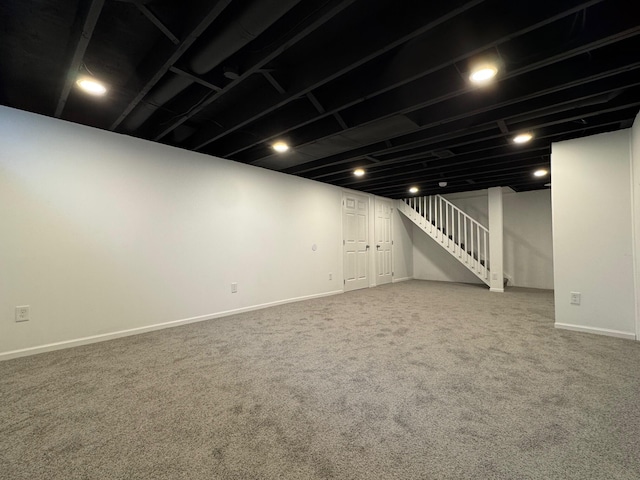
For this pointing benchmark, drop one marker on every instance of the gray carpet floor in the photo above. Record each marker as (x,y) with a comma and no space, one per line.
(416,380)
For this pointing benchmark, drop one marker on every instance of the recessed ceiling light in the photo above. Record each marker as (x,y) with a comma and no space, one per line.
(483,74)
(414,190)
(280,147)
(522,138)
(91,86)
(442,184)
(540,173)
(358,172)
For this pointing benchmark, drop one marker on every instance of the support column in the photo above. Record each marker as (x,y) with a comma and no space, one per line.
(496,240)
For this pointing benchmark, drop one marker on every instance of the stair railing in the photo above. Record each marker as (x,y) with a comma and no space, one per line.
(462,235)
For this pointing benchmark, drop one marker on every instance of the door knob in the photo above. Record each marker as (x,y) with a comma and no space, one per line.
(378,247)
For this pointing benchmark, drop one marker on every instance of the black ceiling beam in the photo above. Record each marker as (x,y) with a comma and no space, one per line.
(478,182)
(258,61)
(593,86)
(525,166)
(376,176)
(432,174)
(386,168)
(440,141)
(557,133)
(321,70)
(316,103)
(156,21)
(158,63)
(369,112)
(79,41)
(401,190)
(407,141)
(508,164)
(487,121)
(573,74)
(341,121)
(580,114)
(274,83)
(496,155)
(439,91)
(514,180)
(419,59)
(478,169)
(195,78)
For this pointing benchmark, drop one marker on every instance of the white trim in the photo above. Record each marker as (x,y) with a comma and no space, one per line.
(403,279)
(597,331)
(150,328)
(497,290)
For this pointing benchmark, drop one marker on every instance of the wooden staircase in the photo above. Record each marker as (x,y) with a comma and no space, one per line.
(466,239)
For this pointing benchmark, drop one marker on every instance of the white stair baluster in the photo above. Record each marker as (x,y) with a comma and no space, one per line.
(485,254)
(441,222)
(478,249)
(459,234)
(467,240)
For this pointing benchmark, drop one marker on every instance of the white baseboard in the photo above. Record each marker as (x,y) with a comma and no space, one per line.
(150,328)
(499,290)
(597,331)
(403,279)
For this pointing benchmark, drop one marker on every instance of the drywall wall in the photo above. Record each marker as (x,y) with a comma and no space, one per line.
(528,239)
(528,243)
(105,235)
(592,228)
(402,246)
(635,187)
(432,262)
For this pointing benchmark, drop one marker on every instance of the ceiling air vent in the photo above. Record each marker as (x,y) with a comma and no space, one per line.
(443,153)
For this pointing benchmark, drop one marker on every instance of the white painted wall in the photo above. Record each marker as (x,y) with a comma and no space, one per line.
(528,242)
(103,234)
(635,165)
(432,262)
(592,225)
(402,233)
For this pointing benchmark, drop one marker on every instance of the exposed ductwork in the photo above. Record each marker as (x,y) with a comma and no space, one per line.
(251,22)
(235,35)
(168,88)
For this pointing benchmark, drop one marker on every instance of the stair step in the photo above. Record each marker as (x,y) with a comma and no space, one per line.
(478,266)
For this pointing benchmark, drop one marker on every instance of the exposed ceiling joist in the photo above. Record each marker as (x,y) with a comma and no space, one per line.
(258,61)
(156,21)
(229,78)
(159,62)
(440,89)
(322,70)
(418,59)
(82,31)
(195,78)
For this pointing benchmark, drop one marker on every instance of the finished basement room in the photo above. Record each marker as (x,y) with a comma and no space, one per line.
(338,239)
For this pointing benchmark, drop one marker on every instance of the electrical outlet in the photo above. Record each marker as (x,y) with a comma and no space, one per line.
(234,288)
(22,313)
(576,297)
(330,276)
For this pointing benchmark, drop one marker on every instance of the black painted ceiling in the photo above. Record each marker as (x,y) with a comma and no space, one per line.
(377,84)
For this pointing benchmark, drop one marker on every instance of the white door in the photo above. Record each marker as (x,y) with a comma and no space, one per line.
(355,227)
(383,244)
